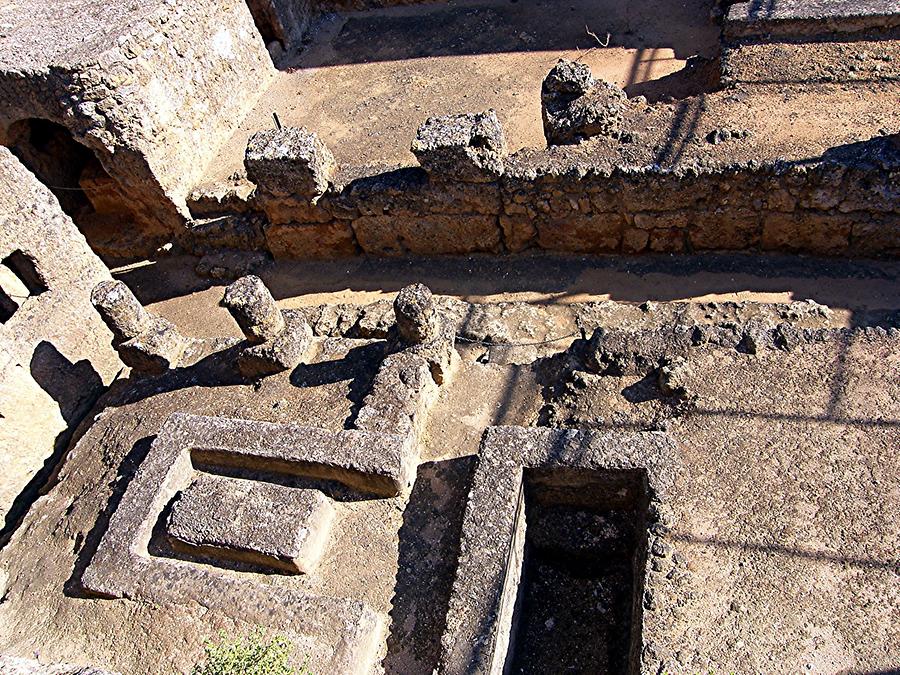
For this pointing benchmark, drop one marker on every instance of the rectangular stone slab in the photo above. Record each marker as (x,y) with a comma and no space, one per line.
(383,464)
(262,523)
(809,17)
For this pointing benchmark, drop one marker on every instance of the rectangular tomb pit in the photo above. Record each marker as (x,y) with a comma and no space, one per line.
(585,534)
(553,571)
(264,524)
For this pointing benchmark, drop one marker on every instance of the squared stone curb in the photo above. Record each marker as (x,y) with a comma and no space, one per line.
(349,630)
(480,611)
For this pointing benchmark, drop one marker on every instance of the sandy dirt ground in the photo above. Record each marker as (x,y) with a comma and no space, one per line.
(367,80)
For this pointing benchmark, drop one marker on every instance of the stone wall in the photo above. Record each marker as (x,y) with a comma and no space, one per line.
(151,87)
(846,202)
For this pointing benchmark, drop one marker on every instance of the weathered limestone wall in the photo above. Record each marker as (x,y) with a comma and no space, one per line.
(152,88)
(55,354)
(847,202)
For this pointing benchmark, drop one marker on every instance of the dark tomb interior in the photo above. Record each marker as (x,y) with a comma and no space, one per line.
(578,603)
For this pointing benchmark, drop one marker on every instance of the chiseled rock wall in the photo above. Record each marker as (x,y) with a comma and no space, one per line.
(152,87)
(55,353)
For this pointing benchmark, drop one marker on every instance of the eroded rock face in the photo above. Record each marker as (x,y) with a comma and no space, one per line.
(416,318)
(253,308)
(575,106)
(470,147)
(290,161)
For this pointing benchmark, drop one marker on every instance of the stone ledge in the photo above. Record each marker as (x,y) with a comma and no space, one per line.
(809,17)
(265,524)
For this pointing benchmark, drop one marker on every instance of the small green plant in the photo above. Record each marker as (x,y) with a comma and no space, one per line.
(254,654)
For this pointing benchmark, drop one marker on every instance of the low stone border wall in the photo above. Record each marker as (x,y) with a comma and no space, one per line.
(468,196)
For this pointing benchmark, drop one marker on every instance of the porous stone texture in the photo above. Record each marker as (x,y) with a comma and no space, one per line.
(150,87)
(624,197)
(120,310)
(482,601)
(765,62)
(229,231)
(408,381)
(283,352)
(146,343)
(55,354)
(274,526)
(289,162)
(382,464)
(402,392)
(575,106)
(345,631)
(805,17)
(415,314)
(230,264)
(253,308)
(469,147)
(799,41)
(155,350)
(10,665)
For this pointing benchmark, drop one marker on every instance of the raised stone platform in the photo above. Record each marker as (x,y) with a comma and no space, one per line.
(796,18)
(345,631)
(811,41)
(261,523)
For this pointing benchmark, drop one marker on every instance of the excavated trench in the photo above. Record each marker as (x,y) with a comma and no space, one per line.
(578,602)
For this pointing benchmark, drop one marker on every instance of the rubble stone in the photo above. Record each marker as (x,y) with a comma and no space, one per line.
(569,79)
(283,352)
(155,350)
(263,523)
(253,308)
(289,162)
(120,310)
(401,394)
(230,264)
(469,147)
(146,343)
(415,313)
(673,377)
(575,106)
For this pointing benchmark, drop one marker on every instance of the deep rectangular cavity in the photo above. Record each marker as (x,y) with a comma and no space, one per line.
(577,606)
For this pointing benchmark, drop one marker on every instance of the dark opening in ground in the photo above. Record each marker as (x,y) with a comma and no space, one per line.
(577,608)
(86,192)
(19,280)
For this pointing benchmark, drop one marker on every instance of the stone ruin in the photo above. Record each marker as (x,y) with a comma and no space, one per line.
(244,382)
